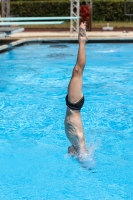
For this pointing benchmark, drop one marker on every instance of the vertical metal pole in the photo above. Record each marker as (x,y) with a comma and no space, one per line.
(78,6)
(90,2)
(71,8)
(91,5)
(5,5)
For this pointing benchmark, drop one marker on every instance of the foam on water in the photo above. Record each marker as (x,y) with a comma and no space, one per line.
(87,160)
(107,51)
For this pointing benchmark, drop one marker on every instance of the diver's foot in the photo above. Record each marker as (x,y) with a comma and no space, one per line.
(72,151)
(82,32)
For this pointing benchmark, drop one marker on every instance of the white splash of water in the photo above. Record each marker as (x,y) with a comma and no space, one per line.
(87,159)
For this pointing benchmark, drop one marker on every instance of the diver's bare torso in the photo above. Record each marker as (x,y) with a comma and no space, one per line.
(73,127)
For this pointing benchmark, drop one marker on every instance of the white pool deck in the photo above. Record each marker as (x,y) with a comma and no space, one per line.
(67,34)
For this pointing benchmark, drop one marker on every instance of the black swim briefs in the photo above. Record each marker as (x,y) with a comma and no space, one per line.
(75,106)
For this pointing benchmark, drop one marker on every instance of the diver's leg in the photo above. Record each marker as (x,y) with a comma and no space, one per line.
(75,91)
(75,85)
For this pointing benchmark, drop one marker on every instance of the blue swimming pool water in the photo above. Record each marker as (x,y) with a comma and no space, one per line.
(34,164)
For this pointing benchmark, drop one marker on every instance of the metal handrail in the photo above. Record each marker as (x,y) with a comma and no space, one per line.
(125,9)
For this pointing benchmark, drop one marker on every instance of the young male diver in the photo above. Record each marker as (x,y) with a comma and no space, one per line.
(75,100)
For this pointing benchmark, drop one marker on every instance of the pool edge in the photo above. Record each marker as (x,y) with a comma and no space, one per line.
(17,42)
